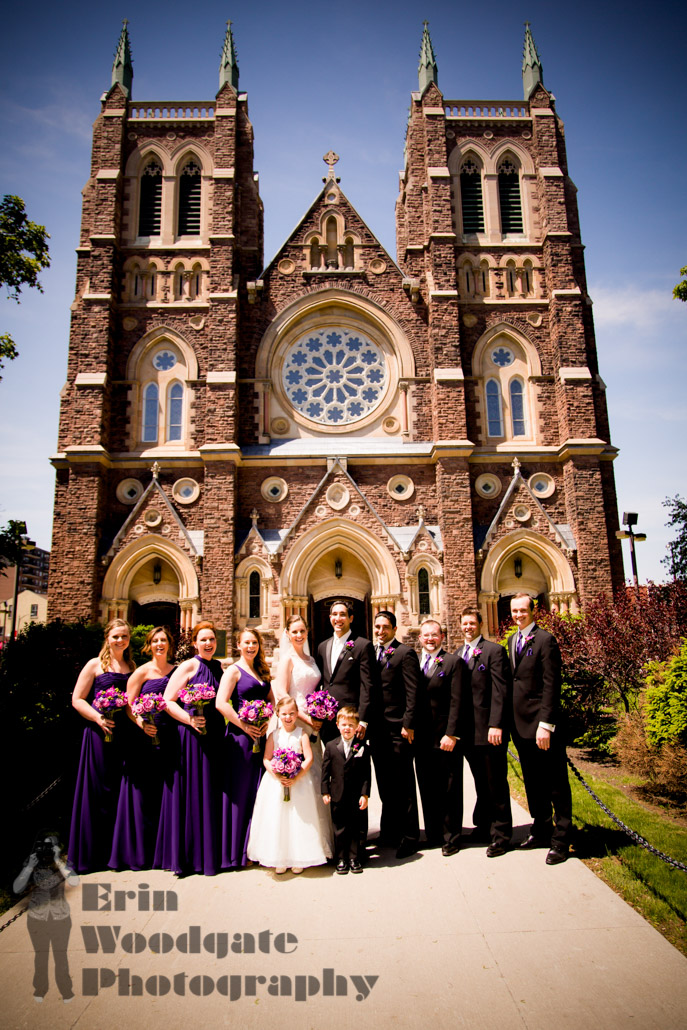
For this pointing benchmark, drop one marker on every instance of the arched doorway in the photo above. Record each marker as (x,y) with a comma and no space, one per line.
(156,614)
(151,576)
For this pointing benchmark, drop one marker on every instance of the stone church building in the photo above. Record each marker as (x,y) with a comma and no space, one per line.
(239,441)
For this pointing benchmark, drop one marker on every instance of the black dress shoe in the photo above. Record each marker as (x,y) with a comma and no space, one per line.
(533,842)
(450,849)
(496,849)
(356,866)
(406,849)
(342,867)
(556,856)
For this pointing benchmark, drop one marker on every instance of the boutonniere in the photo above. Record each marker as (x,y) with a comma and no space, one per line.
(357,749)
(349,645)
(478,650)
(528,640)
(388,654)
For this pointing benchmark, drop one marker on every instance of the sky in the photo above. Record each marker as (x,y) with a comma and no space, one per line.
(321,76)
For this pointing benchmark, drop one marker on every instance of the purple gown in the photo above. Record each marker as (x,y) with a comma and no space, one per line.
(140,795)
(188,834)
(242,775)
(97,785)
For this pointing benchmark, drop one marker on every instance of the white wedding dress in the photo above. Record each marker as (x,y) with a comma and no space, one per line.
(288,833)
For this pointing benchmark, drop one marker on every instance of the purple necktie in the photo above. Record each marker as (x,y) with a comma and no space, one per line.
(428,662)
(519,643)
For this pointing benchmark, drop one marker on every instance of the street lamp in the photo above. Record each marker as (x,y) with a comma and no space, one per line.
(630,519)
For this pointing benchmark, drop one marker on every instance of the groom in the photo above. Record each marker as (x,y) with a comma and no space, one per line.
(347,664)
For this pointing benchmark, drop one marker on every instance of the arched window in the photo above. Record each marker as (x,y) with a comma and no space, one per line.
(484,278)
(471,197)
(189,200)
(349,253)
(175,410)
(315,253)
(494,417)
(254,595)
(332,239)
(509,197)
(150,207)
(423,592)
(511,278)
(150,413)
(517,408)
(527,278)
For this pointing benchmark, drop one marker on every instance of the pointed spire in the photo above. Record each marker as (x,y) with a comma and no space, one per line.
(122,69)
(532,71)
(427,69)
(229,65)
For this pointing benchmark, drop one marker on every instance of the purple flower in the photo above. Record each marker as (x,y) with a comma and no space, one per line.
(286,762)
(349,645)
(321,705)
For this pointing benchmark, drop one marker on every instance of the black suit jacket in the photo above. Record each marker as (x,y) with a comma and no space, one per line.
(400,690)
(489,692)
(346,778)
(352,679)
(536,682)
(438,713)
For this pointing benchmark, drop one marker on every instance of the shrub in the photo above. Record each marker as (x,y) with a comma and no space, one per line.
(666,701)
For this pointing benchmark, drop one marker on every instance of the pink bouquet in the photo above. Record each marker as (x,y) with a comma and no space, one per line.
(321,705)
(196,698)
(109,702)
(147,707)
(287,762)
(257,713)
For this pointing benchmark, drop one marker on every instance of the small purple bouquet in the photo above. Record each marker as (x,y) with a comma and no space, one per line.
(287,762)
(257,713)
(197,697)
(321,705)
(108,702)
(147,707)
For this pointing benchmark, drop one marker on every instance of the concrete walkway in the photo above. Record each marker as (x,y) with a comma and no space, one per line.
(429,942)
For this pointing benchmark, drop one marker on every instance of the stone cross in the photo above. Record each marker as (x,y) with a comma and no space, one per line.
(330,159)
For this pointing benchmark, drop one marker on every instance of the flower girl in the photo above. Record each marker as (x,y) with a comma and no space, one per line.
(285,830)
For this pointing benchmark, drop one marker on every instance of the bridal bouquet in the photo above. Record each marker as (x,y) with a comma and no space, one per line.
(196,698)
(287,762)
(147,707)
(257,713)
(109,702)
(321,705)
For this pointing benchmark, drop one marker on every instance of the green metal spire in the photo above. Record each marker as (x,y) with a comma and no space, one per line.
(427,69)
(122,69)
(532,70)
(229,65)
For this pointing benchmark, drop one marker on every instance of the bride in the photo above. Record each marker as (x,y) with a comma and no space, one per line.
(297,675)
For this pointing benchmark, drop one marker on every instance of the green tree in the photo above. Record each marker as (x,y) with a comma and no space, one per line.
(680,291)
(676,559)
(11,544)
(23,253)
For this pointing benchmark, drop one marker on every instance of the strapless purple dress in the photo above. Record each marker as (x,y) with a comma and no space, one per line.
(140,795)
(242,774)
(97,785)
(188,834)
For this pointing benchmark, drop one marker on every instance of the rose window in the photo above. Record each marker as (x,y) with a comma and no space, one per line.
(334,376)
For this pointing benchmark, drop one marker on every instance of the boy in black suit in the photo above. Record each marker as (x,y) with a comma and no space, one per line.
(346,786)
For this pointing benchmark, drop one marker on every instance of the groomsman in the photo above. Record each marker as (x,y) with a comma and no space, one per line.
(347,664)
(484,731)
(392,736)
(536,663)
(438,755)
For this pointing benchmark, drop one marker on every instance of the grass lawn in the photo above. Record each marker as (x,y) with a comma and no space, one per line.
(656,890)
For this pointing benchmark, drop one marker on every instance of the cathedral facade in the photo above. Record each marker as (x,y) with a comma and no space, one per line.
(240,441)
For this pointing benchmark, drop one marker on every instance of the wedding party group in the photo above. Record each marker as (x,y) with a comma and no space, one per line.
(198,769)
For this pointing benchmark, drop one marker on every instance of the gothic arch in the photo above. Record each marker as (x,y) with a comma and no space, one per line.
(140,157)
(544,555)
(156,336)
(339,535)
(116,592)
(185,152)
(460,152)
(518,337)
(509,146)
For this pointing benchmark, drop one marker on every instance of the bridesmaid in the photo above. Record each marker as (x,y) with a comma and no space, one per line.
(248,679)
(140,796)
(100,766)
(188,835)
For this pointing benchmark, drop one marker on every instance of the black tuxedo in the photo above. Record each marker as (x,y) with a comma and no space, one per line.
(536,698)
(440,773)
(396,700)
(487,699)
(346,780)
(352,679)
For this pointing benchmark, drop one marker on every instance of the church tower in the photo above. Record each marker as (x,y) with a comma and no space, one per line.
(240,441)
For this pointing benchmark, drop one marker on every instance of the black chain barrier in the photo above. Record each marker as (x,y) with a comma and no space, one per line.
(13,919)
(632,834)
